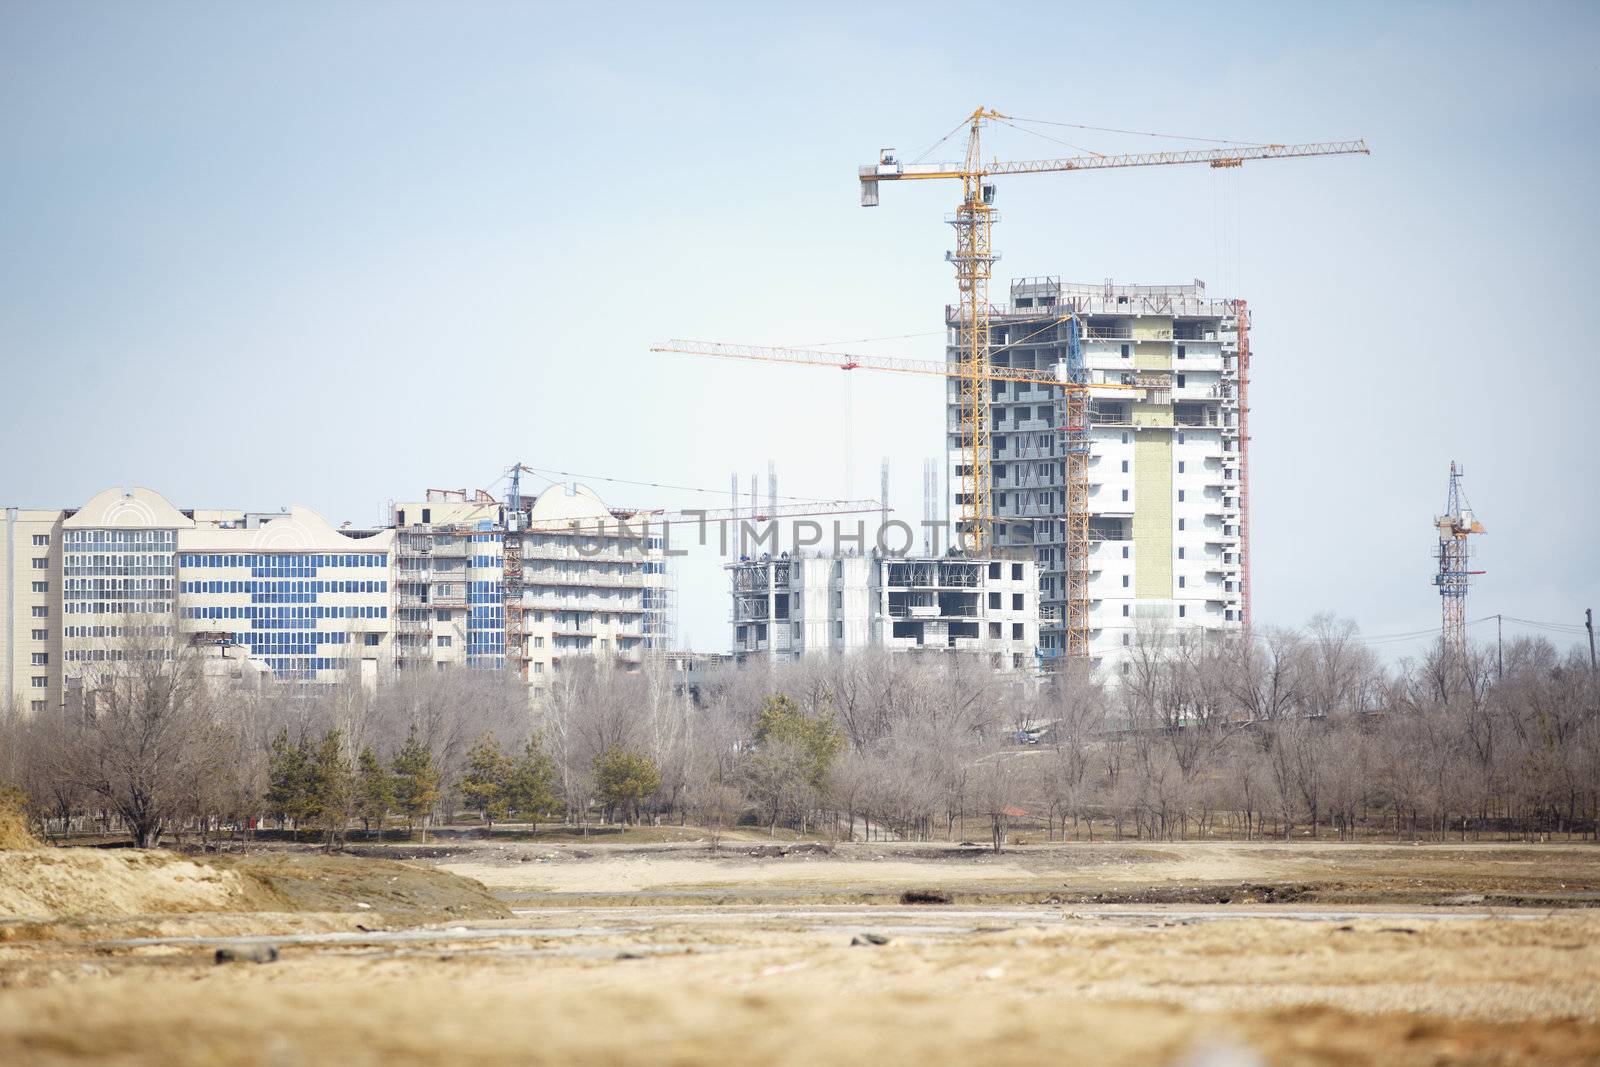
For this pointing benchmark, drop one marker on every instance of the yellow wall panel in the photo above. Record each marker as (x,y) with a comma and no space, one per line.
(1152,514)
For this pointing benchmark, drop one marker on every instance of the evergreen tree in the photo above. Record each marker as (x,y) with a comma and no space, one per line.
(483,787)
(374,790)
(624,779)
(332,786)
(533,785)
(289,794)
(416,781)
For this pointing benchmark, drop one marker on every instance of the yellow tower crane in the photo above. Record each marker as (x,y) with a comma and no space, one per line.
(973,258)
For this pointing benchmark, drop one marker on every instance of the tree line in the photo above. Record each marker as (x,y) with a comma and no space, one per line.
(1281,733)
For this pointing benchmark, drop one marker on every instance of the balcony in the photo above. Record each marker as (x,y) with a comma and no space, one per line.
(548,576)
(591,553)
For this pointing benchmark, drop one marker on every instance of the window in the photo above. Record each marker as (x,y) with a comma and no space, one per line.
(442,616)
(1016,631)
(1124,581)
(41,659)
(1180,553)
(1124,436)
(1180,466)
(371,640)
(1127,639)
(1016,601)
(36,705)
(1016,572)
(444,640)
(538,668)
(1182,581)
(41,587)
(1180,437)
(1181,355)
(41,539)
(41,563)
(1126,666)
(1125,551)
(41,635)
(1180,381)
(1124,494)
(994,630)
(1182,610)
(1126,611)
(40,611)
(427,516)
(838,630)
(994,601)
(1180,524)
(1127,350)
(994,570)
(1124,466)
(41,682)
(538,642)
(1180,496)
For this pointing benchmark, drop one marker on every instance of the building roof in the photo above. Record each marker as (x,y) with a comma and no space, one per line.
(300,529)
(137,509)
(561,505)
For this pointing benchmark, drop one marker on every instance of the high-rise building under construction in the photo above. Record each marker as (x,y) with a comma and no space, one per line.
(1168,461)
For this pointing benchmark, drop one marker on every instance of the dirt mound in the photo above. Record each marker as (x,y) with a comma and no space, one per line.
(67,883)
(55,883)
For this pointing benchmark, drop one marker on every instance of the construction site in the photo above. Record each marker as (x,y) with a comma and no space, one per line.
(1194,716)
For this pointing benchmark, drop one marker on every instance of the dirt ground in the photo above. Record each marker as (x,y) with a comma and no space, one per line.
(615,954)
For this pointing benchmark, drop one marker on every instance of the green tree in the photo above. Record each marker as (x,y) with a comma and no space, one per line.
(532,784)
(483,787)
(374,790)
(624,779)
(289,787)
(332,786)
(416,782)
(819,739)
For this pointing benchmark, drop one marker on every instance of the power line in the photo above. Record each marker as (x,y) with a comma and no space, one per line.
(543,471)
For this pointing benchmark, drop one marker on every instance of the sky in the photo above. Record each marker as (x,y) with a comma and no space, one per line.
(334,254)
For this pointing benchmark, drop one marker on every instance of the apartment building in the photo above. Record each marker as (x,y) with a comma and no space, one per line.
(796,606)
(310,602)
(1166,465)
(30,568)
(450,578)
(287,596)
(594,583)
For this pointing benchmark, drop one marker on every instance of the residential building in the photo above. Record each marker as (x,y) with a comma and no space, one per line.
(30,569)
(311,602)
(797,606)
(1166,457)
(450,575)
(594,583)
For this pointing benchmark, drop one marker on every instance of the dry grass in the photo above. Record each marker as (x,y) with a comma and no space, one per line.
(14,832)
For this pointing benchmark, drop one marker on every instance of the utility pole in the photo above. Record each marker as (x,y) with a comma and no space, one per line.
(1588,623)
(1499,649)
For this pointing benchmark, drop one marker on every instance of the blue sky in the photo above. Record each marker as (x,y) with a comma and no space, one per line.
(333,254)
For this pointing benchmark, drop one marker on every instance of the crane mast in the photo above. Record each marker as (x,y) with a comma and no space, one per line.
(1454,526)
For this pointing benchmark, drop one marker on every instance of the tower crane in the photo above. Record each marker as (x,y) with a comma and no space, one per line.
(974,257)
(1454,526)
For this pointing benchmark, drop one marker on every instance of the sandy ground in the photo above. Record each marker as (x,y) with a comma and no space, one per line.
(1547,874)
(1405,982)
